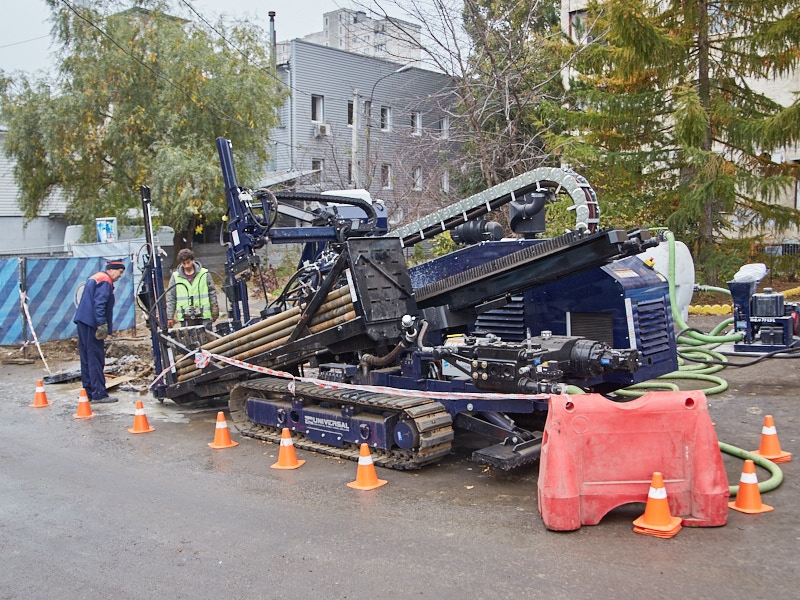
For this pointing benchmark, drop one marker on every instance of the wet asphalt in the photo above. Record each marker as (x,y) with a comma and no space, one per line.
(91,511)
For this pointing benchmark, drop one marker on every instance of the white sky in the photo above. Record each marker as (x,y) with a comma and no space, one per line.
(25,30)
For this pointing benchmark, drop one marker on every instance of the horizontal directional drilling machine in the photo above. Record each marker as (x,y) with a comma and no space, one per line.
(361,348)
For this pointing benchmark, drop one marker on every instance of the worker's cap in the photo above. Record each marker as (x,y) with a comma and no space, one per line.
(115,264)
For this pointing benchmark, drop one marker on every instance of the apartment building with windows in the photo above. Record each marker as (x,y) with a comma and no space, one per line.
(362,122)
(354,31)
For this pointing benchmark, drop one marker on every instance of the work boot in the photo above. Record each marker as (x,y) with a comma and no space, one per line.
(105,400)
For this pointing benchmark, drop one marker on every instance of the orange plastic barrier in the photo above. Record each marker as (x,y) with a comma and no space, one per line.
(598,454)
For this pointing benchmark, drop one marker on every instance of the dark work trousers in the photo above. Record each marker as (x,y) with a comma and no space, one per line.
(93,361)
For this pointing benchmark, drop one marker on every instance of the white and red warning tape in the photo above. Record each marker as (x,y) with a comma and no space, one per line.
(203,357)
(22,298)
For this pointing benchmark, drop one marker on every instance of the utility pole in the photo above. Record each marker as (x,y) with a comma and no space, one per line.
(354,143)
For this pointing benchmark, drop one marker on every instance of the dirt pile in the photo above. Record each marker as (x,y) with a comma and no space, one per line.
(127,355)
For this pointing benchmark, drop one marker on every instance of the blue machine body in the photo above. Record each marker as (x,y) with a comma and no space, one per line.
(624,304)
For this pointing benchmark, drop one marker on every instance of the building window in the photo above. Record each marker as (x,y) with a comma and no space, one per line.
(326,21)
(416,124)
(318,108)
(380,47)
(386,118)
(577,27)
(386,176)
(318,165)
(416,178)
(443,127)
(350,113)
(446,182)
(349,172)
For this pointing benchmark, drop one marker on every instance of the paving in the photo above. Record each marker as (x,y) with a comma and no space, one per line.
(89,510)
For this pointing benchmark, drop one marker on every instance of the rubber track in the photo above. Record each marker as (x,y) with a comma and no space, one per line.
(434,423)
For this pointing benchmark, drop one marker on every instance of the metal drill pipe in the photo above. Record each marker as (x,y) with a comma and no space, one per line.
(333,322)
(322,327)
(336,307)
(274,342)
(334,312)
(263,348)
(214,344)
(255,339)
(231,347)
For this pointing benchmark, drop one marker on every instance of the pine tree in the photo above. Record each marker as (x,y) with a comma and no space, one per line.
(672,126)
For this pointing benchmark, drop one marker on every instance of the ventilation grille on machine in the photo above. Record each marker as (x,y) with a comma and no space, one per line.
(508,323)
(593,326)
(653,334)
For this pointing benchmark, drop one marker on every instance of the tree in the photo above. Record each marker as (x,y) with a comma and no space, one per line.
(503,58)
(140,98)
(667,105)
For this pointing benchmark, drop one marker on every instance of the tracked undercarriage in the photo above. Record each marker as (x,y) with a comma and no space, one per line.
(420,430)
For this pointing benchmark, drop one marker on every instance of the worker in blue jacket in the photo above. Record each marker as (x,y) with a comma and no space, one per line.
(93,318)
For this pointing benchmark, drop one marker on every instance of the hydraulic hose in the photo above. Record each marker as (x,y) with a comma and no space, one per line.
(764,486)
(695,338)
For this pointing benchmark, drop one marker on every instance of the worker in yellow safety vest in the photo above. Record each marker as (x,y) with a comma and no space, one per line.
(191,295)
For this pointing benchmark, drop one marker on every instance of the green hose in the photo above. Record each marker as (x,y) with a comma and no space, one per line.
(765,486)
(703,372)
(711,288)
(698,337)
(696,345)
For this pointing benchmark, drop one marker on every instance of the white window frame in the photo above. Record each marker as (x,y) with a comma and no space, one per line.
(386,118)
(416,178)
(317,108)
(444,127)
(318,163)
(416,123)
(386,176)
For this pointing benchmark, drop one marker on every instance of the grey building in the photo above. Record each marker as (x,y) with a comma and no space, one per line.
(364,122)
(44,234)
(354,31)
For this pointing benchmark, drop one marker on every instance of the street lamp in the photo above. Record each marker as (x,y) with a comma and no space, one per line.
(369,120)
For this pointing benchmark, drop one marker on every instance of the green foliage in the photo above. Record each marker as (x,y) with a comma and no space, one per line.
(139,100)
(672,128)
(444,244)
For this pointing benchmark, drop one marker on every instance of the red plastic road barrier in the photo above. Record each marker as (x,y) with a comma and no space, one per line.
(598,454)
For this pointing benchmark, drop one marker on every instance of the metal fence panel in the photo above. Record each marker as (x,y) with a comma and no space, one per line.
(10,321)
(54,286)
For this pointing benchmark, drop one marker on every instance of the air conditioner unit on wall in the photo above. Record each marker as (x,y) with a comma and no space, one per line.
(322,129)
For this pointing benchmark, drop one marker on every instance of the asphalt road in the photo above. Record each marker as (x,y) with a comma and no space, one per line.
(90,511)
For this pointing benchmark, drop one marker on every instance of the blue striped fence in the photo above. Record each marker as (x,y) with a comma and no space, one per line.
(53,287)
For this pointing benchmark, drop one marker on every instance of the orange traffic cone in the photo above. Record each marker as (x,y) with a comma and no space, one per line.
(770,447)
(287,458)
(366,477)
(222,437)
(748,498)
(40,397)
(84,408)
(140,424)
(656,519)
